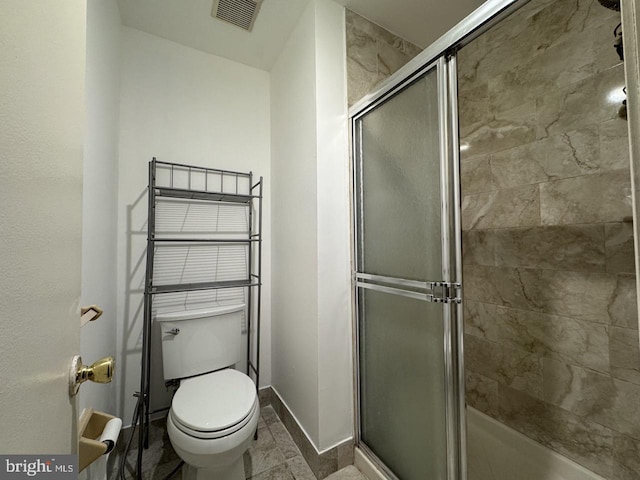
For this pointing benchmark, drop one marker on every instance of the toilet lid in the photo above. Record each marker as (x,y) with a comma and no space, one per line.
(215,401)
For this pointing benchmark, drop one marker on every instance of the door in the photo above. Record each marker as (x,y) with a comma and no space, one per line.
(407,280)
(42,52)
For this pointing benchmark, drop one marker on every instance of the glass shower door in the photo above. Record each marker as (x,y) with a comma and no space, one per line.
(408,400)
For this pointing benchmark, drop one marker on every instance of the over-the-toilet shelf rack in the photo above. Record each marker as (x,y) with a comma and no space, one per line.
(201,184)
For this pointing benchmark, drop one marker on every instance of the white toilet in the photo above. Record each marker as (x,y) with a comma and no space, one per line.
(214,413)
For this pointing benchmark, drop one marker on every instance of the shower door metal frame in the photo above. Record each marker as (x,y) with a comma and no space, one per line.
(442,55)
(441,290)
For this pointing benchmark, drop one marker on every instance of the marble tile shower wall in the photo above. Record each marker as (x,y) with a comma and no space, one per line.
(551,323)
(373,54)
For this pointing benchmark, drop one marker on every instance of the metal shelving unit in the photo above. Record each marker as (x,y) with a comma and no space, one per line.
(204,185)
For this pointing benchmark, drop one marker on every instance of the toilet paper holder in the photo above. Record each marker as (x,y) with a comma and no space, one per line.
(98,434)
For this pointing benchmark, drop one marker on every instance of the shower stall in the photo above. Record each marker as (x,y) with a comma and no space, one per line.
(496,319)
(408,278)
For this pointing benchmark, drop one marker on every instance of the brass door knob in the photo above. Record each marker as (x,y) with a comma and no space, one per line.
(101,371)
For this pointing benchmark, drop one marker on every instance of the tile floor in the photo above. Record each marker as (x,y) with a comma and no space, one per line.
(273,456)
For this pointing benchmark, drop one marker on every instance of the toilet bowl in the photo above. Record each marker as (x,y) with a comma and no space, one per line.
(214,413)
(211,422)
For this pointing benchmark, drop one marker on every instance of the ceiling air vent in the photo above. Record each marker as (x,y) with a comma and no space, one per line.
(241,13)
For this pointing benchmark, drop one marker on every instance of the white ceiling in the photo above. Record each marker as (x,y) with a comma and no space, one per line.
(189,23)
(420,21)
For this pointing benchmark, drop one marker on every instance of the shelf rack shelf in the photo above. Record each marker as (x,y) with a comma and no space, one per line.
(204,195)
(192,287)
(208,185)
(239,241)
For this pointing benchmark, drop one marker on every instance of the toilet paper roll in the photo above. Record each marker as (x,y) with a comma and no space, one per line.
(110,433)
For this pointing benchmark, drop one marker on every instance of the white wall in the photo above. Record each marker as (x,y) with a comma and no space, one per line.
(294,226)
(180,105)
(311,287)
(42,53)
(100,194)
(335,370)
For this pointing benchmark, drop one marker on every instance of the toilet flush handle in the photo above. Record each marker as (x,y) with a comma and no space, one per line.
(174,331)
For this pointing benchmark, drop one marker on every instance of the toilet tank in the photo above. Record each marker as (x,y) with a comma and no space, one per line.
(200,341)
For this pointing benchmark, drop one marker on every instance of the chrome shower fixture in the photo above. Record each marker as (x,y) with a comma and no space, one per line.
(611,4)
(617,33)
(618,45)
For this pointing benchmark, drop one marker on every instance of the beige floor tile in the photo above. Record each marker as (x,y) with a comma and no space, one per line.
(347,473)
(300,469)
(273,456)
(280,472)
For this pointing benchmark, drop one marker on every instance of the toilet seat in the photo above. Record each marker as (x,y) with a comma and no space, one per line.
(208,435)
(214,405)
